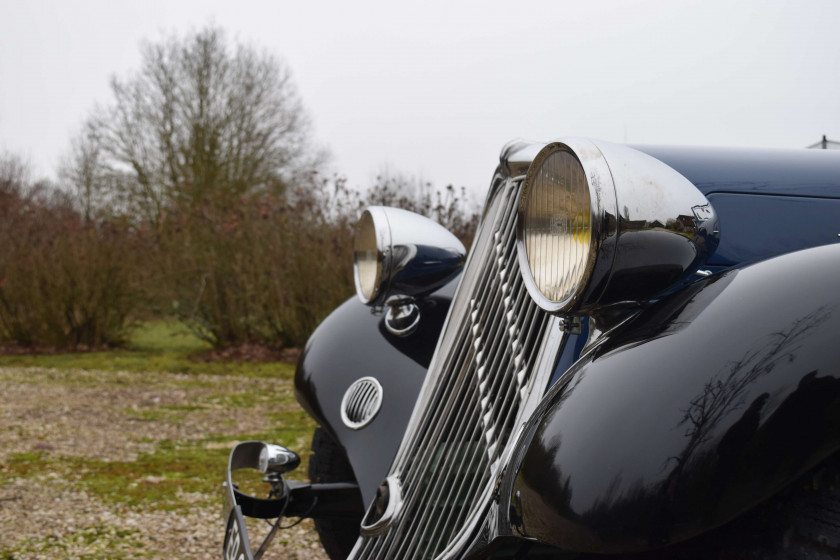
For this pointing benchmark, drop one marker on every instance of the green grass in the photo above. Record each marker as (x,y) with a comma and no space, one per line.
(156,479)
(173,475)
(99,540)
(154,346)
(160,479)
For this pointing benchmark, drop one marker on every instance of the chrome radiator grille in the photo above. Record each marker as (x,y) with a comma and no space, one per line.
(472,400)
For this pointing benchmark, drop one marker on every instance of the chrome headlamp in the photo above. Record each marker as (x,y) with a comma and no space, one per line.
(400,253)
(601,224)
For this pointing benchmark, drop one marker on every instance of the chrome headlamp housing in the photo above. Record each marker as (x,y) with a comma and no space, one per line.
(400,253)
(601,224)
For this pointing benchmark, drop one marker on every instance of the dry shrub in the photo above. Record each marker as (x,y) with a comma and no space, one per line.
(262,269)
(266,269)
(65,282)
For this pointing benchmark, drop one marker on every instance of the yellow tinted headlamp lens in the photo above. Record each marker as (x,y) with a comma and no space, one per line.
(558,229)
(368,265)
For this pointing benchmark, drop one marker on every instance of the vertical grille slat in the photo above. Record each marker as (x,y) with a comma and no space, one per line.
(462,418)
(471,404)
(441,399)
(450,404)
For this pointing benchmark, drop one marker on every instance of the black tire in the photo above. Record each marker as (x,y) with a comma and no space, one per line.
(329,463)
(809,516)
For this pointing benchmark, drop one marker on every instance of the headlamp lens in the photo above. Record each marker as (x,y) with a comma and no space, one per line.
(368,266)
(557,229)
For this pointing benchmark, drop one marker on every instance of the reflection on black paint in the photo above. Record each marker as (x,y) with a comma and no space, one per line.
(703,478)
(420,346)
(722,395)
(756,423)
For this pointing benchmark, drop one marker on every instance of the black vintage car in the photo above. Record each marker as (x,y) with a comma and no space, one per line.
(640,357)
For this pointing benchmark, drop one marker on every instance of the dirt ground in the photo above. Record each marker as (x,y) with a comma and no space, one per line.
(53,421)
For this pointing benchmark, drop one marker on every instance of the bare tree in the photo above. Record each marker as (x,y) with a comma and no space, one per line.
(85,176)
(201,120)
(14,175)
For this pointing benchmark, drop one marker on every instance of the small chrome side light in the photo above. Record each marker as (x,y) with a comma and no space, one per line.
(277,459)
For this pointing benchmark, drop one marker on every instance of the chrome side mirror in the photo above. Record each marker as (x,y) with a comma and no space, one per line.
(400,253)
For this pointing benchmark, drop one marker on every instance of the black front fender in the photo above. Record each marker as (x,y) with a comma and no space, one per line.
(352,343)
(702,406)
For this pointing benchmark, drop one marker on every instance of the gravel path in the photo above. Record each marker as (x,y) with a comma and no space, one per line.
(108,417)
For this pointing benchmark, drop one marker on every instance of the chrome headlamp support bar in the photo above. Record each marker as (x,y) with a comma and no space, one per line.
(601,224)
(400,253)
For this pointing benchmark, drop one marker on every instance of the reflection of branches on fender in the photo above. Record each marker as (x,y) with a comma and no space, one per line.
(726,392)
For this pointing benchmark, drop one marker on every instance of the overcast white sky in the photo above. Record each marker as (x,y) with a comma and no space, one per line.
(434,89)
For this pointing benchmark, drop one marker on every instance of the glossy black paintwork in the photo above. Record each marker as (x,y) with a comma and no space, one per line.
(352,343)
(814,173)
(759,227)
(421,269)
(700,407)
(650,262)
(769,202)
